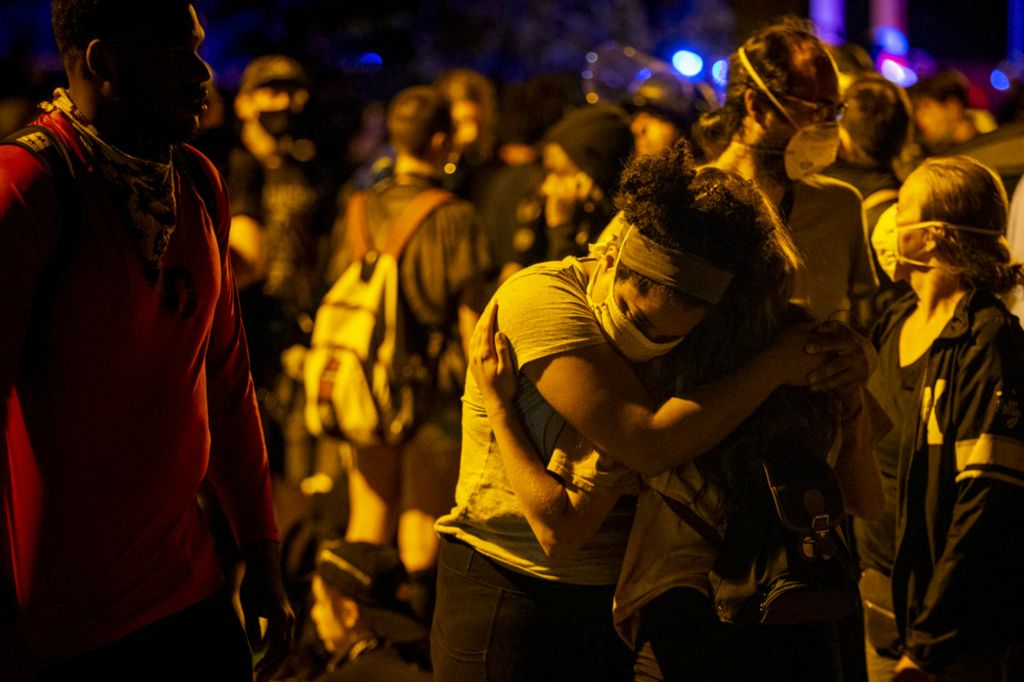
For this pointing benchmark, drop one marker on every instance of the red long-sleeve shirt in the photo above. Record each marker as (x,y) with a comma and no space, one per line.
(120,398)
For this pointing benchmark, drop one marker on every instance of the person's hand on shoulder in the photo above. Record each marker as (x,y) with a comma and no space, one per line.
(789,358)
(490,362)
(849,360)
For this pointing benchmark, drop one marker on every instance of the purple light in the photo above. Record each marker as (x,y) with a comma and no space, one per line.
(900,74)
(892,40)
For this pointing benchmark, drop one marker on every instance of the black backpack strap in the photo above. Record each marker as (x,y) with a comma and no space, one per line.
(192,170)
(47,147)
(692,519)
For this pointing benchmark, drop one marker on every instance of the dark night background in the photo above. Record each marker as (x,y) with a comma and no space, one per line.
(360,52)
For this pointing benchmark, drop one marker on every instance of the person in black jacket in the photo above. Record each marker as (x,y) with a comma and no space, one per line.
(951,377)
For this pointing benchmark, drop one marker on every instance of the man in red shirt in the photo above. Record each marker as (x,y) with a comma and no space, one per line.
(124,379)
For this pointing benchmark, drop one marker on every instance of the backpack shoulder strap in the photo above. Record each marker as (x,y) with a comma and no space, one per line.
(357,230)
(410,219)
(186,162)
(45,145)
(692,519)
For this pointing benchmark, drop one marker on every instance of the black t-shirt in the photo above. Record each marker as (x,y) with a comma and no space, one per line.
(294,204)
(895,389)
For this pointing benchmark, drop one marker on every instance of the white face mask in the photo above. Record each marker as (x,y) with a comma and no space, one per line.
(812,148)
(886,240)
(620,330)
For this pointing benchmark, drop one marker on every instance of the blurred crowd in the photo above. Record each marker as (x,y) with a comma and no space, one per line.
(532,172)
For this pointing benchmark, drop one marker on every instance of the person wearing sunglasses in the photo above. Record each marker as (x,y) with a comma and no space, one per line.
(778,127)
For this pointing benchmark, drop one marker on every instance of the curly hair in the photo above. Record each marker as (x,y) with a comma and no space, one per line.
(729,222)
(718,216)
(964,191)
(771,52)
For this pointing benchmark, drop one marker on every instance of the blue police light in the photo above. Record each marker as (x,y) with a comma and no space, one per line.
(720,72)
(899,74)
(892,40)
(371,59)
(687,63)
(999,80)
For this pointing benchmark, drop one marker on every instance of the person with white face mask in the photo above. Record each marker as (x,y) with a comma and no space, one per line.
(553,445)
(778,127)
(951,379)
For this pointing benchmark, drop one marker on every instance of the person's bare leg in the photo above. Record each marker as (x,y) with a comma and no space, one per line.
(373,487)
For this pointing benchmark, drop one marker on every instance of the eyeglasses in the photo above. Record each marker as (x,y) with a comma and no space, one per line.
(819,112)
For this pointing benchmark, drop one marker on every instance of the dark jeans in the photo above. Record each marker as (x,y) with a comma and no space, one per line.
(203,642)
(493,624)
(690,643)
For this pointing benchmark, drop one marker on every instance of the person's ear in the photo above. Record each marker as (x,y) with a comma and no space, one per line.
(99,62)
(755,107)
(244,109)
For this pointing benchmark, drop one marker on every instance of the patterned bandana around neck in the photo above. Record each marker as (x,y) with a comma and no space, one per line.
(146,186)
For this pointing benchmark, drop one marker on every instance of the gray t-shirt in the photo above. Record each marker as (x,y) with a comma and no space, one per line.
(487,514)
(827,224)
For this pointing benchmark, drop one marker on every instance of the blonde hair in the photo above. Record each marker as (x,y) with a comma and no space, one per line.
(963,191)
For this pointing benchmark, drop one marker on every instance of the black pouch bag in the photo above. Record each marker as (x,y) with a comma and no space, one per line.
(783,559)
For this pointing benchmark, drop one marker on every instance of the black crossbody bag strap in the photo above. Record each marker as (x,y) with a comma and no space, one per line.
(692,519)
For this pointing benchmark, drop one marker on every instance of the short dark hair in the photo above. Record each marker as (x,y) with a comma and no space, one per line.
(942,86)
(877,117)
(77,22)
(415,115)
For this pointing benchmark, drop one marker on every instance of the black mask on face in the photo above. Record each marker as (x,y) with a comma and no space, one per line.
(277,123)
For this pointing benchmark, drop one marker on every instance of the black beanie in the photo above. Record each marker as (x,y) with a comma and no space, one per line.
(598,140)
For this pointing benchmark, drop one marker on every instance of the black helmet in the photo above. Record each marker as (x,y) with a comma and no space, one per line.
(668,97)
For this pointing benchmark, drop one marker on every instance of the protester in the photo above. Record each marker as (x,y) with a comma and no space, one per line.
(282,209)
(541,515)
(778,128)
(663,604)
(873,133)
(124,373)
(1015,237)
(361,613)
(441,274)
(474,106)
(583,156)
(941,111)
(663,109)
(511,207)
(950,375)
